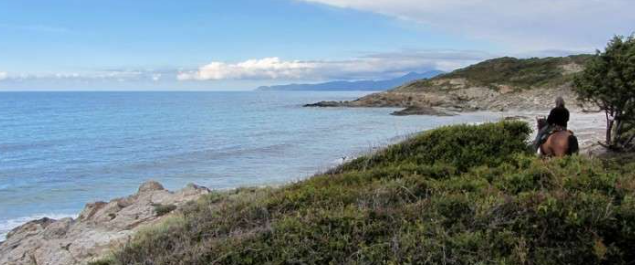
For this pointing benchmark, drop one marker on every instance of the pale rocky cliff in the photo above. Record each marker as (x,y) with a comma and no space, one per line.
(100,227)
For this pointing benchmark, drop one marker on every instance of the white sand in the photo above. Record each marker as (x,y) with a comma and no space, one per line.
(590,128)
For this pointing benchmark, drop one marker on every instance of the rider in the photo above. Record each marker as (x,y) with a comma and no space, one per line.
(557,120)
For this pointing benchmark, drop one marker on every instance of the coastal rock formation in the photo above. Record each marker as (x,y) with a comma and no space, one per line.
(327,104)
(98,228)
(464,99)
(415,110)
(504,84)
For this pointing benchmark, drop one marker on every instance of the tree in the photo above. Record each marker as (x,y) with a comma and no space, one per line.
(608,81)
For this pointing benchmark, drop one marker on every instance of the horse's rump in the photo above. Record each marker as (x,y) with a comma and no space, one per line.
(560,142)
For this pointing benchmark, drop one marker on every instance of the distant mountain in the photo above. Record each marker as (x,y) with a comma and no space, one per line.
(355,85)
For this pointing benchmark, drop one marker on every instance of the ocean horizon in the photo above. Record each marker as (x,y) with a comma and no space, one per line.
(59,151)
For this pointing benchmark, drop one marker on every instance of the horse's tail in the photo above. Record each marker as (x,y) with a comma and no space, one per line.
(574,148)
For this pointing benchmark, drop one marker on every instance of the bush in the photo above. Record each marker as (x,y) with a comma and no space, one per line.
(161,210)
(459,146)
(483,201)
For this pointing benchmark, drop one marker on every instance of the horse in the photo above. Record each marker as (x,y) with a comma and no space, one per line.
(560,143)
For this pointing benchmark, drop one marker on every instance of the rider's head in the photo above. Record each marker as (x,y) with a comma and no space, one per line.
(560,102)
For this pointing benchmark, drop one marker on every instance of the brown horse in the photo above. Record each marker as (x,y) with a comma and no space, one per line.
(560,143)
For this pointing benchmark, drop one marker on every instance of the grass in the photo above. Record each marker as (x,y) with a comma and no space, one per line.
(455,195)
(161,209)
(517,73)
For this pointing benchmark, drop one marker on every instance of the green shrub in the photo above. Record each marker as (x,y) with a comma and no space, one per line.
(459,146)
(161,209)
(429,200)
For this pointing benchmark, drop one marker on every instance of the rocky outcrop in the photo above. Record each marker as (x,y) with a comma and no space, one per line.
(327,104)
(415,110)
(98,228)
(502,84)
(464,98)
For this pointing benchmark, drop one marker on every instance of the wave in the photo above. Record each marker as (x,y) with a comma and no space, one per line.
(7,225)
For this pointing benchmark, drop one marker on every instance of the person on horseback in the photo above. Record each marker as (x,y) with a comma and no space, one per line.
(557,121)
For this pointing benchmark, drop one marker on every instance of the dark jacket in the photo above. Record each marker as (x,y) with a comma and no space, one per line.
(559,116)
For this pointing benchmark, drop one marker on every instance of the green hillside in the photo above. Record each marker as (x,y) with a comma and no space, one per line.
(517,73)
(455,195)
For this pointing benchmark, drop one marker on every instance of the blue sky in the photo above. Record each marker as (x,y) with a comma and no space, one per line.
(241,44)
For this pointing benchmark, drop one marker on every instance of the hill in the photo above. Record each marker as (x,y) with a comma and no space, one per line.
(456,195)
(498,84)
(514,73)
(354,85)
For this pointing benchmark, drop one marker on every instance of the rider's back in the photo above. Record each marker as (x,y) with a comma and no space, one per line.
(559,116)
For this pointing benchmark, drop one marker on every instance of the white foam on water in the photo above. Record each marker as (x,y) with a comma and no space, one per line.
(7,225)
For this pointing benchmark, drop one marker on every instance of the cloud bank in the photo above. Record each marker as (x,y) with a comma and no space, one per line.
(106,76)
(371,66)
(267,68)
(519,25)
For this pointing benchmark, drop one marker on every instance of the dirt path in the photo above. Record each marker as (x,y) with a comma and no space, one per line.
(590,128)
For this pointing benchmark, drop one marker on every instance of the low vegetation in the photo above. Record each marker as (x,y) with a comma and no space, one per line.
(455,195)
(513,72)
(161,209)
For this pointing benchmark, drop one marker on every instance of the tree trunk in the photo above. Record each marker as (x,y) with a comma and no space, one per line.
(609,128)
(628,143)
(617,135)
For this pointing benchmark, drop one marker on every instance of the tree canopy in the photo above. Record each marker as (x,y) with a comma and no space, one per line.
(608,81)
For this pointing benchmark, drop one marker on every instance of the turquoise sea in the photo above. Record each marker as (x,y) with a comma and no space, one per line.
(59,151)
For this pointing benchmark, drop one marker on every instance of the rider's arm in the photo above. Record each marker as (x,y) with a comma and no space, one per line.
(552,117)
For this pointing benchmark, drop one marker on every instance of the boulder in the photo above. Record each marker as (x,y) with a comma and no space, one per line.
(150,186)
(326,104)
(417,110)
(98,228)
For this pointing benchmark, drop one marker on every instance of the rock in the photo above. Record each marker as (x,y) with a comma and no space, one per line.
(326,104)
(57,229)
(99,227)
(150,186)
(416,110)
(459,95)
(33,227)
(90,210)
(516,118)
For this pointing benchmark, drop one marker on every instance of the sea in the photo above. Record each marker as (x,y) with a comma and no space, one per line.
(61,150)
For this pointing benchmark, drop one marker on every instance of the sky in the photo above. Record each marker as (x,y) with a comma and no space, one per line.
(242,44)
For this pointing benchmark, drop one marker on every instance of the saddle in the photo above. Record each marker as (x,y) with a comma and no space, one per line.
(542,123)
(555,129)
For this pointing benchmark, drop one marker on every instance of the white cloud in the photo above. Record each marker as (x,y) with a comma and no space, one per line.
(372,66)
(94,76)
(520,25)
(267,68)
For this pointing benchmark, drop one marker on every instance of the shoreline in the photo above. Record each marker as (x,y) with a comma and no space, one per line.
(448,96)
(384,130)
(596,132)
(584,124)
